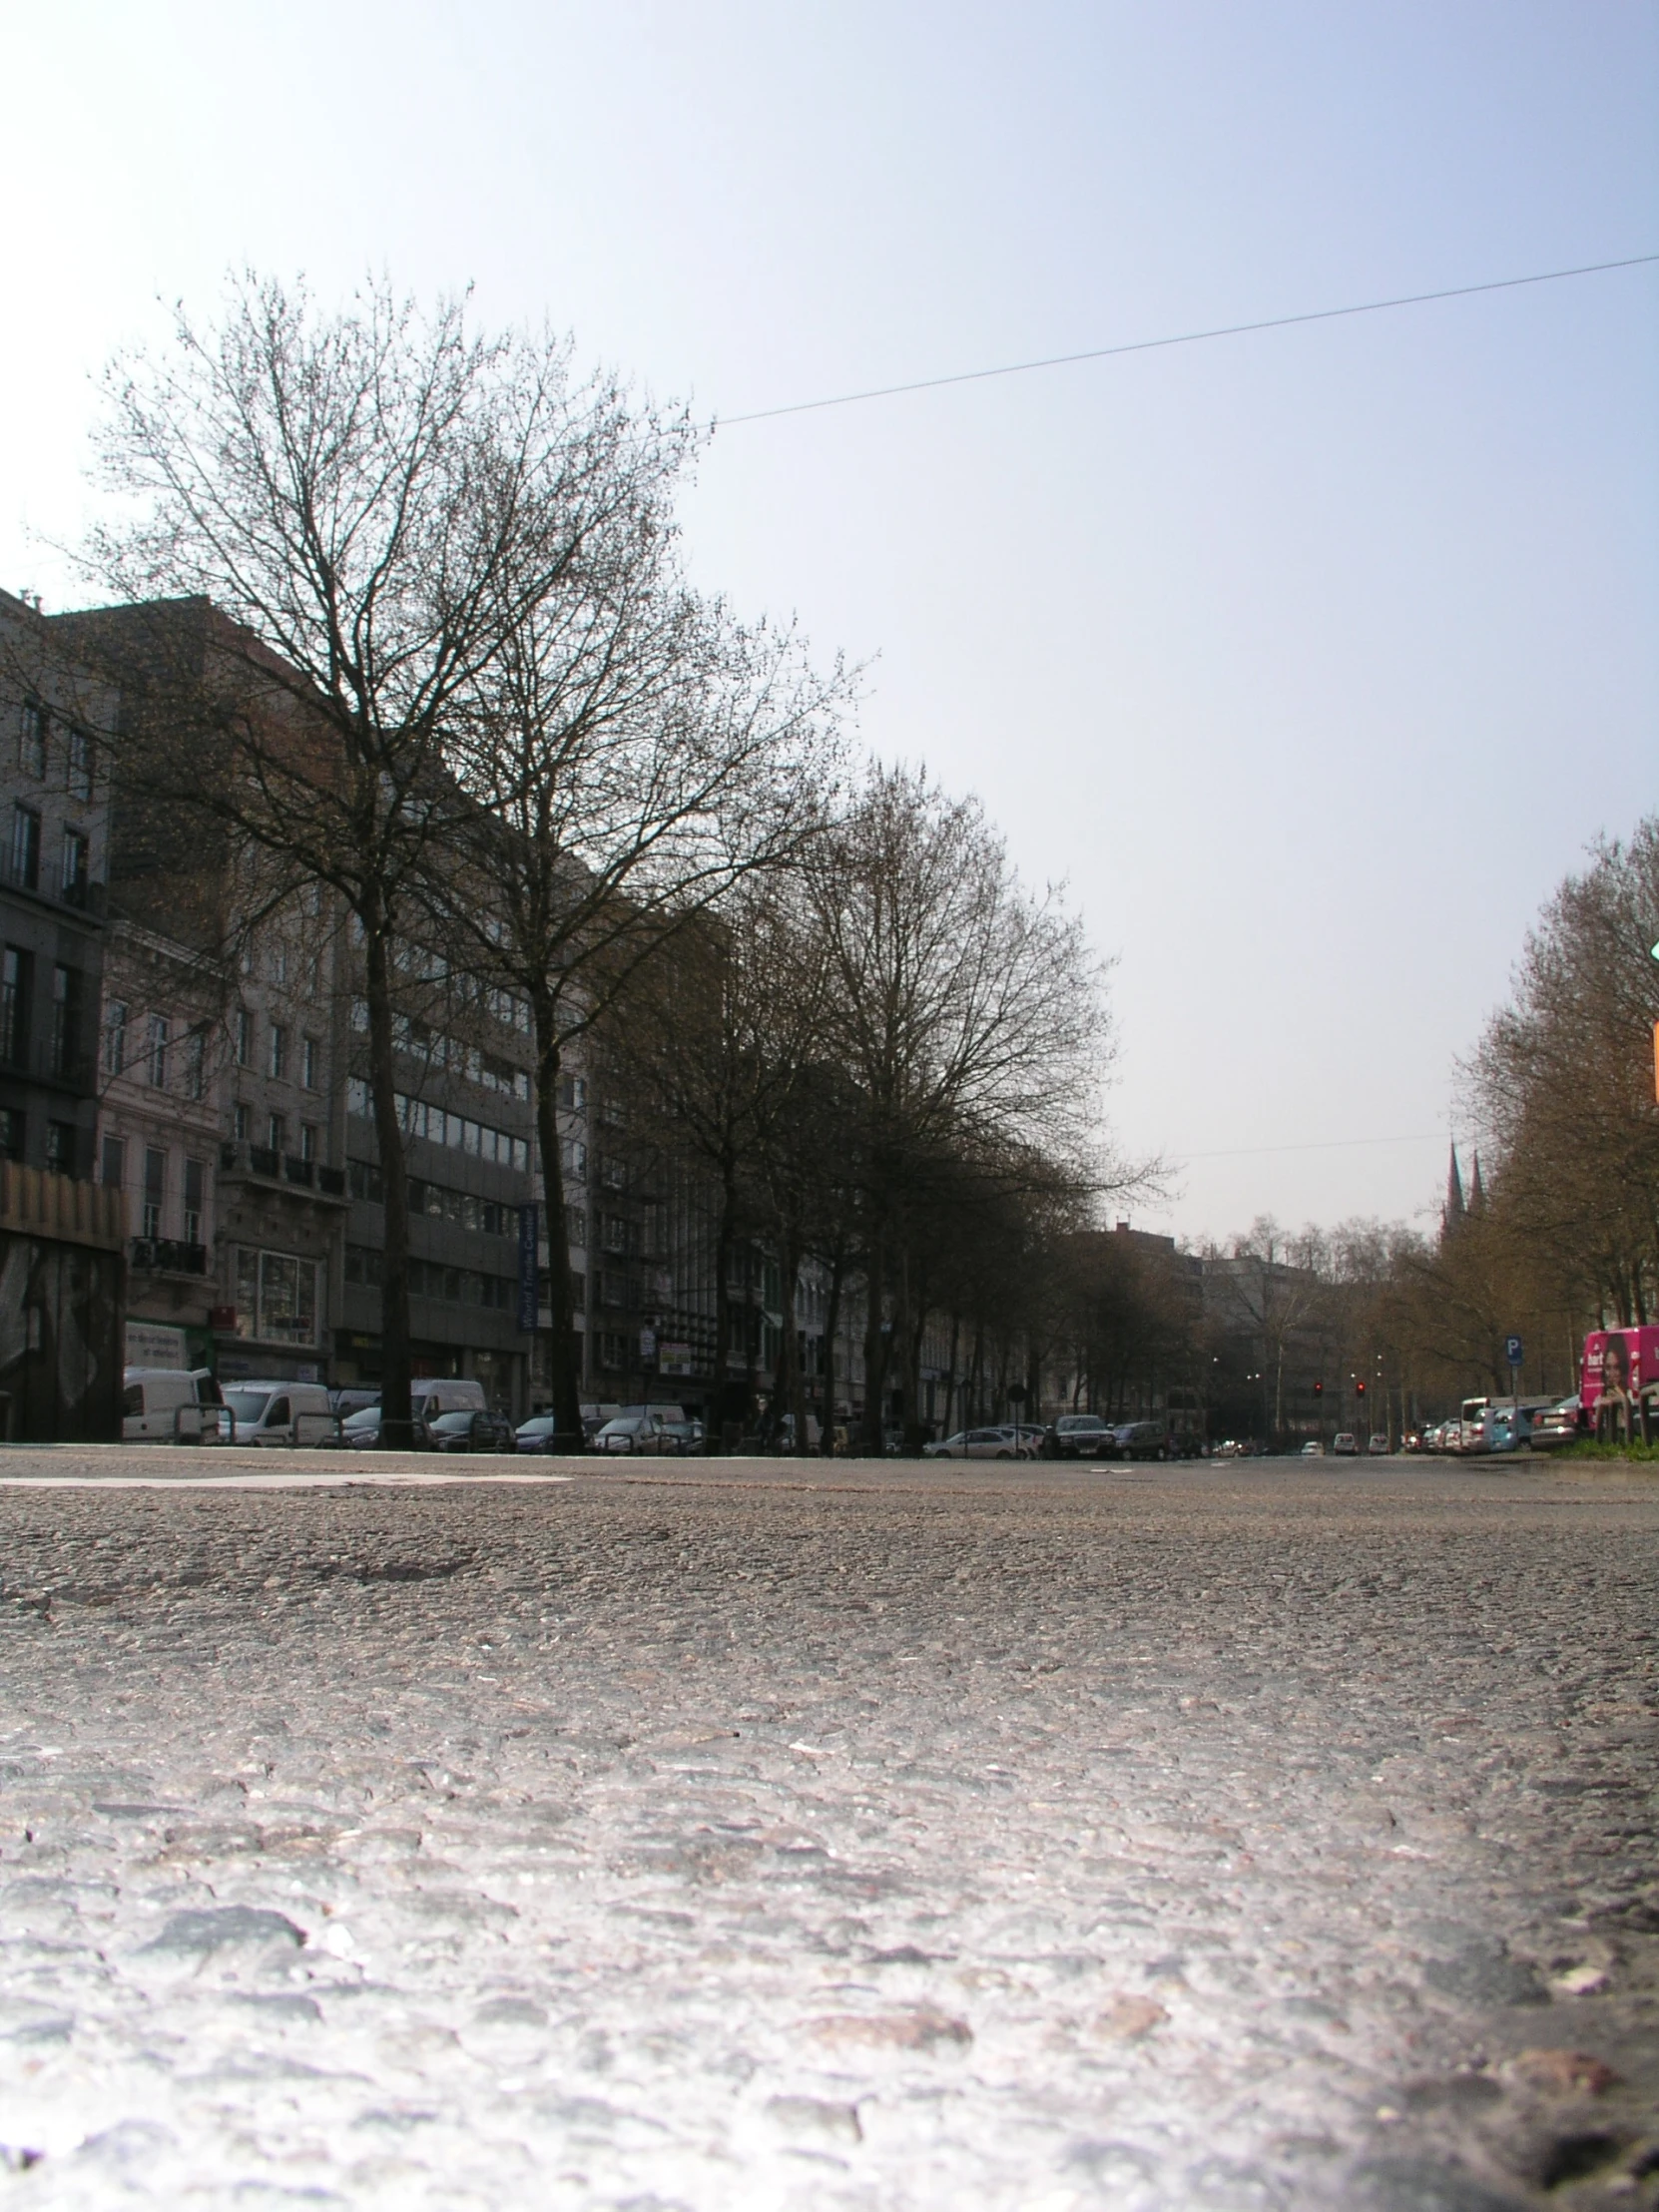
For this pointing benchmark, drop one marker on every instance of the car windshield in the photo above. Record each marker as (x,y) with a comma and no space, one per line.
(367,1417)
(539,1425)
(1080,1421)
(460,1419)
(248,1405)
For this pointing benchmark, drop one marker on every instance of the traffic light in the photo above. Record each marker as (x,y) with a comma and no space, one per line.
(1319,1389)
(1359,1390)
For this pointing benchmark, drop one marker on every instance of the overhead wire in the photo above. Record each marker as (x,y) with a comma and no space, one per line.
(1184,338)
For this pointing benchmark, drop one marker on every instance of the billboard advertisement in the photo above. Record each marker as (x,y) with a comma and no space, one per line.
(1619,1365)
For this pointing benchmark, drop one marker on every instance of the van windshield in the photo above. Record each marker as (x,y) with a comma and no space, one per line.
(248,1405)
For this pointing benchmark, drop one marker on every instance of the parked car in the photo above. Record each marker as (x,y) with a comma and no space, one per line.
(1378,1445)
(1026,1440)
(282,1413)
(1142,1440)
(470,1429)
(1313,1449)
(1344,1445)
(1082,1436)
(972,1443)
(1556,1424)
(429,1397)
(173,1406)
(638,1432)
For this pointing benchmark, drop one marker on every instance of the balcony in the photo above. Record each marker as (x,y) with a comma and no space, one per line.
(266,1165)
(166,1256)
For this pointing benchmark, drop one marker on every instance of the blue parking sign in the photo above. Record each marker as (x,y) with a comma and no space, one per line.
(1513,1351)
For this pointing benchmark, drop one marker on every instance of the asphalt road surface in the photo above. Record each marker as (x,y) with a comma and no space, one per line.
(729,1834)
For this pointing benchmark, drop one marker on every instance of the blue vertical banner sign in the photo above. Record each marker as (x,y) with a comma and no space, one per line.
(529,1303)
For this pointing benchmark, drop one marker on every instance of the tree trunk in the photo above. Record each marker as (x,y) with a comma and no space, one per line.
(396,1426)
(790,1385)
(564,1372)
(724,1238)
(831,1321)
(876,1350)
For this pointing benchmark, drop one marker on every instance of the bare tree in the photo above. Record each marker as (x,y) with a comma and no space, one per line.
(368,502)
(966,1014)
(629,755)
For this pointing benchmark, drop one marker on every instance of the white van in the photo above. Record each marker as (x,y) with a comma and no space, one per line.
(169,1406)
(278,1413)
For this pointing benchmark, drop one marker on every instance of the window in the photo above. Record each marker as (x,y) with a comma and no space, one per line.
(25,868)
(573,1093)
(363,1181)
(11,1133)
(277,1133)
(114,1170)
(114,1036)
(155,1051)
(364,1264)
(195,1176)
(31,749)
(613,1350)
(310,1061)
(358,1099)
(575,1226)
(80,765)
(73,870)
(614,1236)
(244,1034)
(66,1018)
(60,1146)
(308,1140)
(277,1052)
(242,1124)
(195,1065)
(155,1190)
(276,1296)
(15,968)
(573,1156)
(278,962)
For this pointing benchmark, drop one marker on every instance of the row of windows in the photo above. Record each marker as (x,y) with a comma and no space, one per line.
(62,1141)
(34,748)
(437,1201)
(449,1053)
(437,1127)
(23,859)
(152,1055)
(278,1051)
(273,1133)
(17,977)
(153,1163)
(428,1279)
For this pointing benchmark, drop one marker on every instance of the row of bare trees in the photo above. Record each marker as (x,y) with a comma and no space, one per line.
(1559,1233)
(400,611)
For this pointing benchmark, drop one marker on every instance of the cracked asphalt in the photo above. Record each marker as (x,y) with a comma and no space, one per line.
(770,1833)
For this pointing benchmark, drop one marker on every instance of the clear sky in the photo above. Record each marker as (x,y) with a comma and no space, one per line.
(1310,660)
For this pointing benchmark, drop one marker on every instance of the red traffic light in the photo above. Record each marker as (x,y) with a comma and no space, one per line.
(1319,1389)
(1359,1390)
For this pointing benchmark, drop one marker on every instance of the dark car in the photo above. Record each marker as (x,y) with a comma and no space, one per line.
(472,1430)
(1081,1436)
(1143,1439)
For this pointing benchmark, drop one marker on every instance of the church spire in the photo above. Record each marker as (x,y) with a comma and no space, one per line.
(1453,1212)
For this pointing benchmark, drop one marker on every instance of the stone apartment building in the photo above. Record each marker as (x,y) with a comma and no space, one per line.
(54,849)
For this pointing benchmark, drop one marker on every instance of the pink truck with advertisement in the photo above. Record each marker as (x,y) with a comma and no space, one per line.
(1619,1384)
